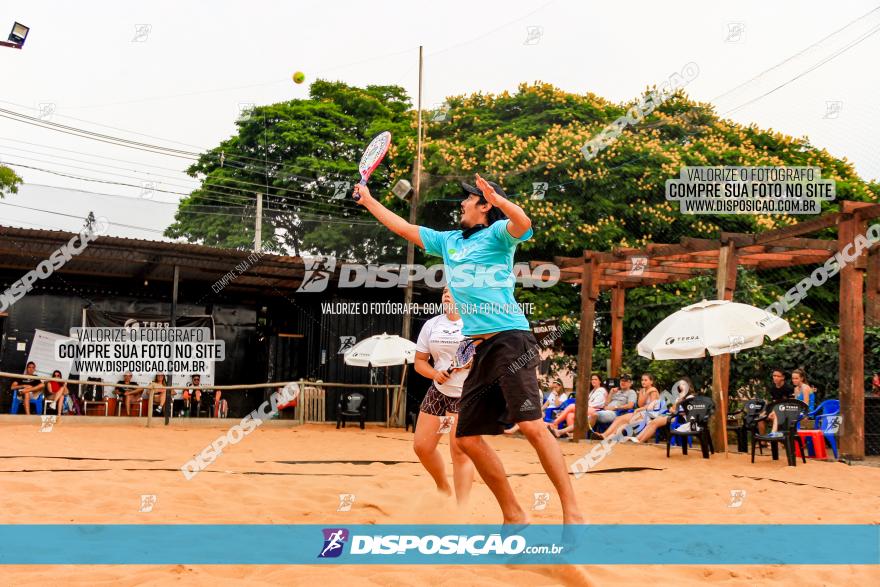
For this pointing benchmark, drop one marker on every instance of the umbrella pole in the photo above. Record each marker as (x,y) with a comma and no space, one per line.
(387,400)
(401,398)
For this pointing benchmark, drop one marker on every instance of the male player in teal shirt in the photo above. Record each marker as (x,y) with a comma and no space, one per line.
(501,387)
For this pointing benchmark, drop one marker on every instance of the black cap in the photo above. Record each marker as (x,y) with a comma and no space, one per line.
(475,191)
(626,377)
(494,213)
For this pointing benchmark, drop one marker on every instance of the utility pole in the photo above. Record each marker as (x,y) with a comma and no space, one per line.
(410,248)
(413,209)
(258,229)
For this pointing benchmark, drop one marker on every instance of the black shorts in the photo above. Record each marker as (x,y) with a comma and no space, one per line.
(502,385)
(437,403)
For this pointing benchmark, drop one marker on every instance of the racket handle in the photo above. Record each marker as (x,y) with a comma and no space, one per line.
(356,197)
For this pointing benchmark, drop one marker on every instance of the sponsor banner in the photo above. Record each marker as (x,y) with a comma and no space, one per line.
(351,544)
(141,320)
(548,333)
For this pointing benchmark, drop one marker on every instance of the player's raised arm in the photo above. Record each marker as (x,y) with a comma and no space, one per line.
(392,221)
(520,223)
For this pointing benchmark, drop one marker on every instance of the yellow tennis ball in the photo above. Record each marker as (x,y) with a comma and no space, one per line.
(299,77)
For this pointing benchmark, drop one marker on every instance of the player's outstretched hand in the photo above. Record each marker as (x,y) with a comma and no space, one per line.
(488,191)
(364,193)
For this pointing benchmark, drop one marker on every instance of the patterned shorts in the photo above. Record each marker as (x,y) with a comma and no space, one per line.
(437,403)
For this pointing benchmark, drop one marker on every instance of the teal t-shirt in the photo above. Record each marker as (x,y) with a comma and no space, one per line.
(479,273)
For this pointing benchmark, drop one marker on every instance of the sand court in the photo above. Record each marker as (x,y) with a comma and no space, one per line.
(79,474)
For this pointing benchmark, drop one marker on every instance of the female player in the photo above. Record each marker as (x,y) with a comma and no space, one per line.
(438,341)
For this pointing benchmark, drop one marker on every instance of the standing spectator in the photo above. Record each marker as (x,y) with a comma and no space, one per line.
(27,386)
(875,384)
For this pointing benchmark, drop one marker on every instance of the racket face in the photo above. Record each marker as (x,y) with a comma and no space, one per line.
(464,355)
(374,153)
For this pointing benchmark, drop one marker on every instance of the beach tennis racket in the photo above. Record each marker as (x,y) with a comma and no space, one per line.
(464,355)
(373,155)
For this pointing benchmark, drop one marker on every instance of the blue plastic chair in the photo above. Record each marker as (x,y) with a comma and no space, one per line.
(551,413)
(812,405)
(827,408)
(675,440)
(37,402)
(605,426)
(829,424)
(664,411)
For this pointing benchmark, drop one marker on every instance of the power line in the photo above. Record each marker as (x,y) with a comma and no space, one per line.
(316,216)
(841,51)
(799,53)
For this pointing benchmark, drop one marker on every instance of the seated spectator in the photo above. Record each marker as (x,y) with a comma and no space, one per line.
(595,402)
(132,396)
(556,397)
(780,389)
(28,386)
(55,393)
(648,402)
(657,420)
(212,398)
(119,392)
(802,389)
(875,384)
(159,388)
(192,395)
(622,398)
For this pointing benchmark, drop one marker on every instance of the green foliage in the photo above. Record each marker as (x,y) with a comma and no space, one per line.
(300,148)
(9,181)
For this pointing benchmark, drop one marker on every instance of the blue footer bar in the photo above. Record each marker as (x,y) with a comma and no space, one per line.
(296,544)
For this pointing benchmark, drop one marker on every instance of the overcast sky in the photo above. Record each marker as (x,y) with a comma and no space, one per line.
(177,72)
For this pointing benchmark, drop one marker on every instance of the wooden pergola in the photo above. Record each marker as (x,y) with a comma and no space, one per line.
(627,268)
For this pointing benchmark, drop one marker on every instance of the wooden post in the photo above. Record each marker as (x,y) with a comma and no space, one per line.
(852,343)
(589,294)
(872,283)
(618,304)
(726,284)
(168,393)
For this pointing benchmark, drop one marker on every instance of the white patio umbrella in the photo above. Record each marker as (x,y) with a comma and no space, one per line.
(716,326)
(382,350)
